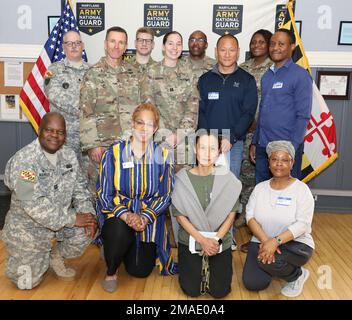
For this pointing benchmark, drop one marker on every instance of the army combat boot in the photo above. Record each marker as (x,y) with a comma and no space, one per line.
(58,265)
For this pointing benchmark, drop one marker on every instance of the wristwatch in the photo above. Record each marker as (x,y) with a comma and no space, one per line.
(219,240)
(279,240)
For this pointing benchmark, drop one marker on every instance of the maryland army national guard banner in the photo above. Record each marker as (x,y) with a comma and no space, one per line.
(129,54)
(158,17)
(90,17)
(281,13)
(227,19)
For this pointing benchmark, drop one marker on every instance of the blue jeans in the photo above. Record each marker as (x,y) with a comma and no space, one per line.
(236,155)
(262,171)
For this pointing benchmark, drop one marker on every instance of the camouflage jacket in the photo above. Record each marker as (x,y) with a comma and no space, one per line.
(61,86)
(200,66)
(174,92)
(257,72)
(108,97)
(41,193)
(141,67)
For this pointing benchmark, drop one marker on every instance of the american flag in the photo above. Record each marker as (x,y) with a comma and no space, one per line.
(32,98)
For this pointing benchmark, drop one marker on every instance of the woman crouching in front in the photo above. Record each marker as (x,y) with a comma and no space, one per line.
(279,214)
(204,202)
(134,189)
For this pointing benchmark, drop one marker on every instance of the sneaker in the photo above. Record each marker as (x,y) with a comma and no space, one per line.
(233,245)
(58,265)
(295,288)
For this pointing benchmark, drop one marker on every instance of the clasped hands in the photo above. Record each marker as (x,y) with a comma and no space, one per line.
(267,251)
(210,246)
(135,221)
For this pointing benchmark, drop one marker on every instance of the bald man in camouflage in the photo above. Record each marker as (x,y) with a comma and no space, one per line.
(49,201)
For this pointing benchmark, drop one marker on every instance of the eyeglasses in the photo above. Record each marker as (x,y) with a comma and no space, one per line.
(142,124)
(147,41)
(71,43)
(282,160)
(201,40)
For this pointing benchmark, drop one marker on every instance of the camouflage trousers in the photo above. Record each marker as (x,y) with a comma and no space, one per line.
(28,260)
(93,173)
(182,159)
(247,175)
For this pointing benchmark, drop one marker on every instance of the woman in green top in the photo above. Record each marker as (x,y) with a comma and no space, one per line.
(204,200)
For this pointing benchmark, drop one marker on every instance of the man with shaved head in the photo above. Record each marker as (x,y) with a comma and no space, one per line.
(49,201)
(62,85)
(197,45)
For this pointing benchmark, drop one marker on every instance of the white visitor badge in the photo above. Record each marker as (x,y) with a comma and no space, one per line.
(278,85)
(213,95)
(127,165)
(284,201)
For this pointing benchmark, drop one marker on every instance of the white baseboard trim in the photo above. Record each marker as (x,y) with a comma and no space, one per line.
(23,52)
(330,59)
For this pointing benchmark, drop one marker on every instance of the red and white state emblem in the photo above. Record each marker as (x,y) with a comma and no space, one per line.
(28,175)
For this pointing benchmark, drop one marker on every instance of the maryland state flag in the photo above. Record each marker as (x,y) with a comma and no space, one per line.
(320,139)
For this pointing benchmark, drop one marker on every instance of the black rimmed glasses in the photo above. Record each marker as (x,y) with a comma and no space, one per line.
(73,43)
(146,41)
(200,40)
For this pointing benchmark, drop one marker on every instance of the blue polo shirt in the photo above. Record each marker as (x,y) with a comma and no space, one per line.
(286,105)
(227,102)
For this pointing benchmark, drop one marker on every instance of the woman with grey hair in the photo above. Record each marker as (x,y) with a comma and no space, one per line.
(279,214)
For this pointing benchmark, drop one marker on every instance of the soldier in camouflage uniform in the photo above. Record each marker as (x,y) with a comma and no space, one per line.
(62,84)
(109,94)
(257,65)
(49,201)
(171,86)
(144,44)
(197,45)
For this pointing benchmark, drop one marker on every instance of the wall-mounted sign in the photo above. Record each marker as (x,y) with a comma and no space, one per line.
(280,15)
(227,19)
(158,17)
(90,17)
(129,54)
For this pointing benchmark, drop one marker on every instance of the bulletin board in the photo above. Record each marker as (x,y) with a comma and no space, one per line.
(12,93)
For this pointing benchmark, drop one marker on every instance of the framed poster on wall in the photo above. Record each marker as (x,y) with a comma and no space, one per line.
(52,20)
(334,85)
(345,33)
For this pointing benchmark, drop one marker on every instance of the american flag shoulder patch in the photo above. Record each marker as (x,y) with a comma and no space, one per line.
(28,175)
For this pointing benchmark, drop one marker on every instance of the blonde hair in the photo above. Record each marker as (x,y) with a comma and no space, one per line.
(145,30)
(147,107)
